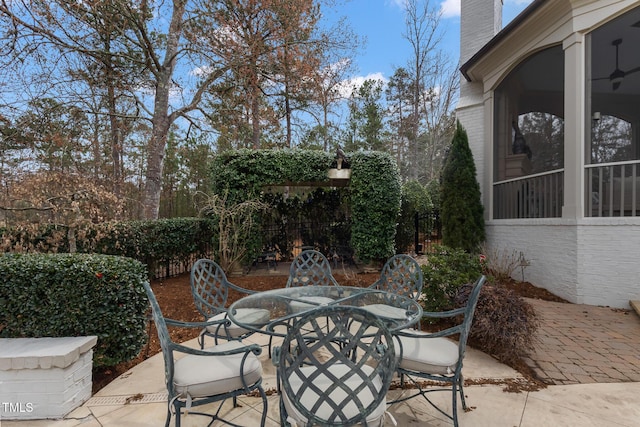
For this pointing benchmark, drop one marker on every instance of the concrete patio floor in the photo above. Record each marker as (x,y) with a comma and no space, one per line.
(138,398)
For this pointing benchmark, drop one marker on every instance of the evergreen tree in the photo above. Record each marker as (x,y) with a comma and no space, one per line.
(461,207)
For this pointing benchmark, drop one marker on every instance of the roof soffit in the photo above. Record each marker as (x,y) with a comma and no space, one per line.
(545,26)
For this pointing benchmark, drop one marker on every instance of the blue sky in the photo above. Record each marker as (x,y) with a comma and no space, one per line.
(382,23)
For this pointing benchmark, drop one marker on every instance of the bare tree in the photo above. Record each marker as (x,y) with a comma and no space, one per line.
(439,122)
(327,79)
(60,29)
(432,91)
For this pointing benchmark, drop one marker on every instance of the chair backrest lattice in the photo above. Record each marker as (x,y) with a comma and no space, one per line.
(310,268)
(337,375)
(401,275)
(209,287)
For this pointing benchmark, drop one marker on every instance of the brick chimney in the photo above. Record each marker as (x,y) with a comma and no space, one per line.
(480,20)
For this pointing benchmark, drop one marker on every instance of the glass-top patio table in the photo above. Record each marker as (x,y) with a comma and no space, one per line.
(286,304)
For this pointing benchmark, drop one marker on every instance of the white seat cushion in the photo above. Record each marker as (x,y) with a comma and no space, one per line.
(252,316)
(309,397)
(386,311)
(201,376)
(430,355)
(299,306)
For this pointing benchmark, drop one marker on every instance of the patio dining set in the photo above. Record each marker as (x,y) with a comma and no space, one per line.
(339,347)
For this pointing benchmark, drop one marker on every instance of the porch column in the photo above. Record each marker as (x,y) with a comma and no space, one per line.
(574,127)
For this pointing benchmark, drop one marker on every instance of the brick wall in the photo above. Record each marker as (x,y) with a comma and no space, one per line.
(593,262)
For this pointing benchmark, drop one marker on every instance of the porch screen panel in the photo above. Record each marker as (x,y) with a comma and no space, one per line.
(529,138)
(612,163)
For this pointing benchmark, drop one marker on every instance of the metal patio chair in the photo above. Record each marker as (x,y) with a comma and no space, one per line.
(432,356)
(210,289)
(200,377)
(308,268)
(401,275)
(335,376)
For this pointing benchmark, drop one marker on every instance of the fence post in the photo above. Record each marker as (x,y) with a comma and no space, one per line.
(416,228)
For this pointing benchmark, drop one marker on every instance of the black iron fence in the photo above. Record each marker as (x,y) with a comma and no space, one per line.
(163,269)
(428,232)
(286,238)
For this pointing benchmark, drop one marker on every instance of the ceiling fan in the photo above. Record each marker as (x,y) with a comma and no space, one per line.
(617,76)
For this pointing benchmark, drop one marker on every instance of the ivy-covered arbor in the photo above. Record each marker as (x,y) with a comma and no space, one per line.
(374,188)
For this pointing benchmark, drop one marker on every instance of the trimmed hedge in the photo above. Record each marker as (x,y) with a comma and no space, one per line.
(375,204)
(150,242)
(58,295)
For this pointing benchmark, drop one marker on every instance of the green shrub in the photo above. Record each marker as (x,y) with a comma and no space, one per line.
(58,295)
(504,324)
(446,270)
(460,205)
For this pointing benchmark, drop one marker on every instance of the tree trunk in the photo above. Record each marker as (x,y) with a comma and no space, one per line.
(255,121)
(162,120)
(155,164)
(116,147)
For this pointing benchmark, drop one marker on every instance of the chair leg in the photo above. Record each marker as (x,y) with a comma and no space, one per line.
(263,420)
(168,421)
(177,417)
(283,414)
(454,404)
(461,390)
(201,339)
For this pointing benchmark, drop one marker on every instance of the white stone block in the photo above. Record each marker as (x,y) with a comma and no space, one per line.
(44,377)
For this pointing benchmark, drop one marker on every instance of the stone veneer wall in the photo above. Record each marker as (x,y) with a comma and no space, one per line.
(44,377)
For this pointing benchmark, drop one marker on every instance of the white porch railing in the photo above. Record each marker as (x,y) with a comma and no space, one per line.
(531,196)
(613,189)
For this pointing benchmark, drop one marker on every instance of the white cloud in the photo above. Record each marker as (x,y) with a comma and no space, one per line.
(399,3)
(450,8)
(347,86)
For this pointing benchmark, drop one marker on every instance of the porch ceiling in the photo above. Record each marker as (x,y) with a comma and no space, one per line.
(627,29)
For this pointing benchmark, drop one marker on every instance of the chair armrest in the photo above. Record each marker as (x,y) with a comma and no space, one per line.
(240,289)
(200,325)
(443,314)
(453,330)
(374,285)
(246,349)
